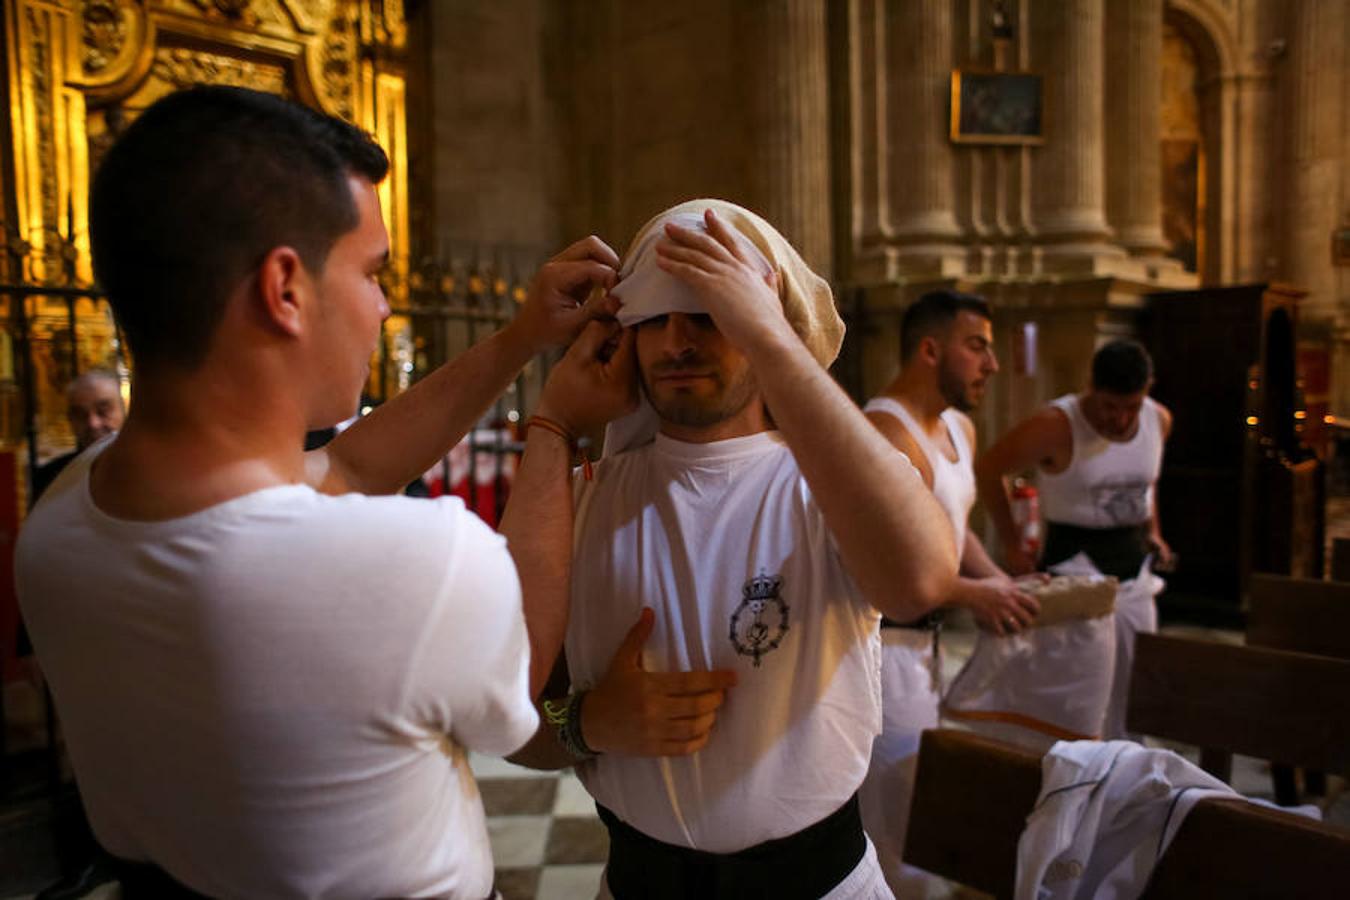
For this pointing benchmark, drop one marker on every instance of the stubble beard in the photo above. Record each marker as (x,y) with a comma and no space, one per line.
(954,391)
(694,411)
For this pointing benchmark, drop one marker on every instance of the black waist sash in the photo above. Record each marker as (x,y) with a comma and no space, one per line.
(1114,551)
(147,881)
(930,621)
(802,866)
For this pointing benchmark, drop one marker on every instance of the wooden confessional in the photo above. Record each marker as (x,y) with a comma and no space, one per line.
(1240,490)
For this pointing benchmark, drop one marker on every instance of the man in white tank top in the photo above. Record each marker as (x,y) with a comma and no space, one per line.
(725,735)
(947,358)
(1097,456)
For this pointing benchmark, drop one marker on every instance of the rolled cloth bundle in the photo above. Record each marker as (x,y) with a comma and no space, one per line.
(647,291)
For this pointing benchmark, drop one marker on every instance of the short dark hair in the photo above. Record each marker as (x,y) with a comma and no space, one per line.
(198,190)
(1121,367)
(934,313)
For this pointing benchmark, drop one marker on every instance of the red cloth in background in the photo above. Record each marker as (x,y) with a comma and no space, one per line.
(492,474)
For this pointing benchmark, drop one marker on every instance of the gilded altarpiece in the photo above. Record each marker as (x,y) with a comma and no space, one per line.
(78,71)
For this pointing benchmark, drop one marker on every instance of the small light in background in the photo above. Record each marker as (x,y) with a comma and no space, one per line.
(513,416)
(1253,420)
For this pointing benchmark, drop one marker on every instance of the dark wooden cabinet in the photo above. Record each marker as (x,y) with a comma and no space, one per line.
(1239,490)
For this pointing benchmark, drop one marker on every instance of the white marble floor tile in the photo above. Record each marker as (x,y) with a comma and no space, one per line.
(518,841)
(569,882)
(572,799)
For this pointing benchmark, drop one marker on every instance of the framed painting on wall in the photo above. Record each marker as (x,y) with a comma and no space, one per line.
(996,107)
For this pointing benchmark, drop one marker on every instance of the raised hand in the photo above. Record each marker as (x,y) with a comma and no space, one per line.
(999,605)
(596,380)
(640,713)
(567,292)
(741,298)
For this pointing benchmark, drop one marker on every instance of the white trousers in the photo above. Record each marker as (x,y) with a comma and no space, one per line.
(911,694)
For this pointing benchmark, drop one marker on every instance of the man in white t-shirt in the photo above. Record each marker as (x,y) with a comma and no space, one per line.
(753,538)
(1097,458)
(946,358)
(269,680)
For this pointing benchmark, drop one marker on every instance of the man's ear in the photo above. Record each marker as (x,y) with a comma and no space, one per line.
(929,351)
(285,288)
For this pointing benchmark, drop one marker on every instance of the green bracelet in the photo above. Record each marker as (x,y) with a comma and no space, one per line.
(565,715)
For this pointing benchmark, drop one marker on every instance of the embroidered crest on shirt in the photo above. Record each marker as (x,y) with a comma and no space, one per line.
(759,623)
(1123,504)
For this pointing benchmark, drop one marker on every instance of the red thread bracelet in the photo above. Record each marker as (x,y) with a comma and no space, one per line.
(549,425)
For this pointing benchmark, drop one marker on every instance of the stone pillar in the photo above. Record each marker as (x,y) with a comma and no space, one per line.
(784,73)
(923,198)
(869,124)
(1134,128)
(1313,87)
(1069,192)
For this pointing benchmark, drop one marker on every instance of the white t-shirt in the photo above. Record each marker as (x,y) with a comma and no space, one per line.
(1108,484)
(725,542)
(272,697)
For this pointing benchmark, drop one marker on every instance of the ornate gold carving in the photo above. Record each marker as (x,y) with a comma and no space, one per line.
(82,69)
(231,8)
(181,68)
(340,46)
(392,25)
(105,33)
(44,232)
(309,15)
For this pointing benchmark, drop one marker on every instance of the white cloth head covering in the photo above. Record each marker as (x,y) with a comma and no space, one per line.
(647,290)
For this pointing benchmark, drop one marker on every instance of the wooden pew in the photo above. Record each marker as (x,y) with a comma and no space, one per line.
(1299,614)
(1284,707)
(973,794)
(1305,616)
(1340,559)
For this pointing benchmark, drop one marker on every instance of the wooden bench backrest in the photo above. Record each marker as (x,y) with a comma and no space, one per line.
(973,795)
(1231,848)
(1300,614)
(1284,707)
(971,799)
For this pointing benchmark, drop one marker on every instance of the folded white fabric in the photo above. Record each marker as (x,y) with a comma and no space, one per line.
(1136,613)
(647,290)
(1047,683)
(1106,814)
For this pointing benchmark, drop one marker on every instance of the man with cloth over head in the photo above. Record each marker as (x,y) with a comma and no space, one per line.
(752,522)
(270,680)
(946,358)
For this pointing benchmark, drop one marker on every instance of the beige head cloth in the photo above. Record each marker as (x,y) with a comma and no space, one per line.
(646,291)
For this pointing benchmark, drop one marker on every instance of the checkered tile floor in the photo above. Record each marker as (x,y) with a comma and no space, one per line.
(547,843)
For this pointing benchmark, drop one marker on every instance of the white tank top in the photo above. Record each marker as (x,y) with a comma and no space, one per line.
(1108,484)
(953,481)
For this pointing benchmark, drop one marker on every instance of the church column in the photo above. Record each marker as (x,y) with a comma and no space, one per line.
(783,57)
(923,197)
(1069,199)
(1134,129)
(1313,88)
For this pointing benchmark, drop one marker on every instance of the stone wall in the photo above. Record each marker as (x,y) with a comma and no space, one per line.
(547,120)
